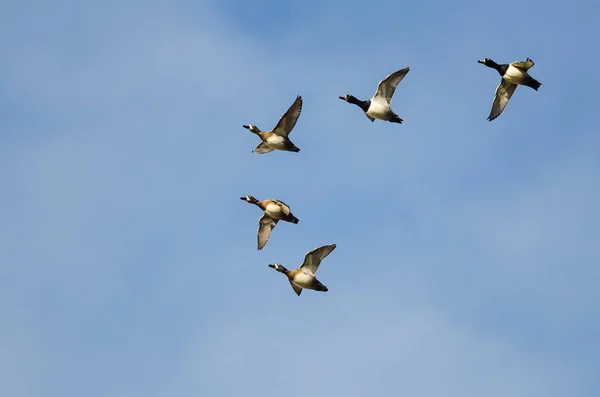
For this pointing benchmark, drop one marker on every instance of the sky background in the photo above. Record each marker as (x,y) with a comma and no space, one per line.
(467,260)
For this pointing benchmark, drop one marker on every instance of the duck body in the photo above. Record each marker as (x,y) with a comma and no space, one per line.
(304,277)
(513,75)
(278,138)
(306,281)
(273,211)
(382,112)
(379,106)
(278,142)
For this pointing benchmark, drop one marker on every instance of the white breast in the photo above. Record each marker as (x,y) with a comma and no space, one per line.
(273,210)
(276,141)
(378,110)
(514,75)
(303,280)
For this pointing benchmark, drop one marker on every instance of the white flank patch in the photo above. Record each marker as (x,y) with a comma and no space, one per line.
(378,110)
(514,75)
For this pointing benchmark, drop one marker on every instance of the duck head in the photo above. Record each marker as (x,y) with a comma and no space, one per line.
(249,199)
(252,128)
(488,62)
(279,268)
(348,98)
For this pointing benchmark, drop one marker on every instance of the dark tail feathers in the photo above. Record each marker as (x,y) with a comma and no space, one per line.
(534,84)
(291,218)
(396,119)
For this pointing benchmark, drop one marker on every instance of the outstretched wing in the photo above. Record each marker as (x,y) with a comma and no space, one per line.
(387,86)
(297,289)
(262,148)
(503,93)
(313,259)
(288,120)
(523,65)
(265,225)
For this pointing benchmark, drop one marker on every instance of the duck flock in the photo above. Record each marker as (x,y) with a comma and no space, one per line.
(378,107)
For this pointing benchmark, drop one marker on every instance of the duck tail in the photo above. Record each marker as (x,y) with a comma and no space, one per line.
(291,218)
(396,119)
(534,84)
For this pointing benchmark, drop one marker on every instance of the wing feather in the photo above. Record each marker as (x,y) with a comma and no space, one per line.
(387,86)
(265,225)
(297,290)
(262,148)
(504,91)
(288,120)
(528,64)
(313,259)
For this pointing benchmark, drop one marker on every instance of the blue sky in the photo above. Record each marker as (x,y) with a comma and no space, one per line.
(467,258)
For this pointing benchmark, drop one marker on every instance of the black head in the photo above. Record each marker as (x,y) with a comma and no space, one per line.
(252,128)
(249,199)
(488,62)
(279,267)
(348,98)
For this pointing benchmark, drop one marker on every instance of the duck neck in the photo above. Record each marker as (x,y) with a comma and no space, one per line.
(364,105)
(500,68)
(283,270)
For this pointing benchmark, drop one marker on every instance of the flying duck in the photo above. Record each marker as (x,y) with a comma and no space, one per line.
(274,211)
(513,74)
(378,107)
(304,276)
(277,139)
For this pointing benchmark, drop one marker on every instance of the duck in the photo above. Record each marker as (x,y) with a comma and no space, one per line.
(274,211)
(378,107)
(278,137)
(304,276)
(513,75)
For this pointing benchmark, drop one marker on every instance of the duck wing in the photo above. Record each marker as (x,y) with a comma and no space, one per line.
(387,86)
(297,290)
(262,148)
(503,93)
(313,259)
(288,120)
(523,65)
(265,225)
